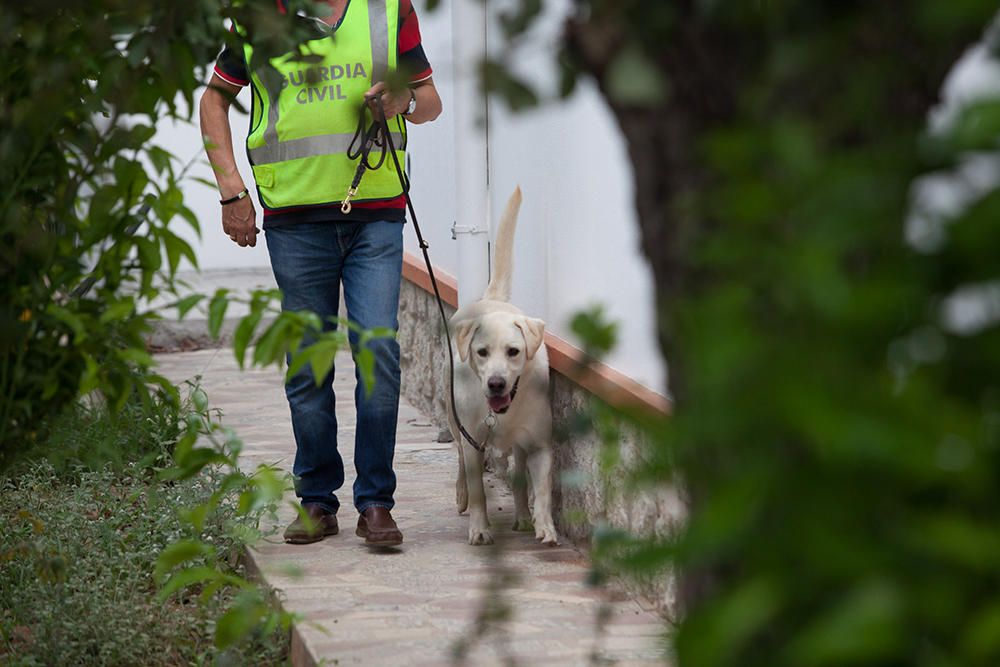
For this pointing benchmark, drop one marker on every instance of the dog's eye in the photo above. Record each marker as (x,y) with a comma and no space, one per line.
(513,352)
(483,352)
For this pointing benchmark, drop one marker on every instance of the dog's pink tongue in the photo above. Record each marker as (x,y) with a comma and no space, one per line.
(498,403)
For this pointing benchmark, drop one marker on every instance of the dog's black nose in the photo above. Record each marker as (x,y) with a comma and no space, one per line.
(496,385)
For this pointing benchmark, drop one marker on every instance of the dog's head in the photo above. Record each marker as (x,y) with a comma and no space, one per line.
(498,346)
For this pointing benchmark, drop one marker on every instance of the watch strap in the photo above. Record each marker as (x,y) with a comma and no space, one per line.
(235,198)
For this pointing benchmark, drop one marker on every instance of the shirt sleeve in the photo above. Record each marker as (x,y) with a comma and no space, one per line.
(231,65)
(412,58)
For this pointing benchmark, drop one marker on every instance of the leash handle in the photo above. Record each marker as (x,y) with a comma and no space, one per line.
(404,182)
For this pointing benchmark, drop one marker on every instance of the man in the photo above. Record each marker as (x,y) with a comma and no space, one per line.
(297,145)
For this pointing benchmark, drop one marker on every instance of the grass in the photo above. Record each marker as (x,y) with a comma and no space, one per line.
(80,532)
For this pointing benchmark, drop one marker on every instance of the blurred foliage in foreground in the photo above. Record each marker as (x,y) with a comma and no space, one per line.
(831,330)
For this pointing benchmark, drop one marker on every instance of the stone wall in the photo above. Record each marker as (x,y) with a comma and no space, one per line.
(582,497)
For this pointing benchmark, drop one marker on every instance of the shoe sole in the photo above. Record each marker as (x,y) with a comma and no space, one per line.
(393,542)
(310,540)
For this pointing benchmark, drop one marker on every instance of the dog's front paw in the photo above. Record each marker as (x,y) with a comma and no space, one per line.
(480,536)
(546,534)
(524,524)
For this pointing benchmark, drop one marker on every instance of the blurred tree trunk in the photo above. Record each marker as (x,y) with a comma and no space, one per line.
(725,68)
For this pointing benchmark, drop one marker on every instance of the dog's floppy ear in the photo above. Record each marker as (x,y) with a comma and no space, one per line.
(463,337)
(533,330)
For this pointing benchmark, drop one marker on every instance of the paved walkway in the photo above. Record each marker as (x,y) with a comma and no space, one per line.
(414,605)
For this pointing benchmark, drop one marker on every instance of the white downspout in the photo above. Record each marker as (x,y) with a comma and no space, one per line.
(471,229)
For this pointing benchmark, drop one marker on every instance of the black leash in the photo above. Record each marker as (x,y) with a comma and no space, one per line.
(378,134)
(360,149)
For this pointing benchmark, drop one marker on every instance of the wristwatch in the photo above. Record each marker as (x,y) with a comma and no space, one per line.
(412,106)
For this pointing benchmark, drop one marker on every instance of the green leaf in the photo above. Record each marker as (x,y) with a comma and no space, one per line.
(160,158)
(239,622)
(634,80)
(244,334)
(273,342)
(217,312)
(194,462)
(516,23)
(118,310)
(365,359)
(177,248)
(136,357)
(299,360)
(199,399)
(865,626)
(981,637)
(197,515)
(140,134)
(497,78)
(185,305)
(207,183)
(149,254)
(192,220)
(179,552)
(598,335)
(188,577)
(321,356)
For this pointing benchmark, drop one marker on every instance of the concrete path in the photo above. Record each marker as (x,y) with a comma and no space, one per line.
(416,604)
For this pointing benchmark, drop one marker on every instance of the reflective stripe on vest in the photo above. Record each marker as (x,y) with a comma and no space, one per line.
(293,149)
(293,166)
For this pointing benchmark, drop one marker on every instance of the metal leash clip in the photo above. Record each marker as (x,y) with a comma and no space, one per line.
(345,206)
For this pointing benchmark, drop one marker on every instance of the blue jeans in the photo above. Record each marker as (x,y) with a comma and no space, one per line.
(309,261)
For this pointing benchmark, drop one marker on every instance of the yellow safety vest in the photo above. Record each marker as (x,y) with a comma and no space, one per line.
(300,133)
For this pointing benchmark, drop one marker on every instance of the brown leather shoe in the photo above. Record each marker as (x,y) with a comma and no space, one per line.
(321,523)
(378,528)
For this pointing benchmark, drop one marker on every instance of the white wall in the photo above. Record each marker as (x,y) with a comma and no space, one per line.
(579,236)
(577,241)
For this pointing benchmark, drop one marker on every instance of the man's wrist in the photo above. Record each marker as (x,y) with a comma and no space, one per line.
(235,198)
(411,103)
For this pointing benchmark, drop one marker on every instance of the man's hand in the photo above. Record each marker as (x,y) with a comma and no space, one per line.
(394,102)
(239,222)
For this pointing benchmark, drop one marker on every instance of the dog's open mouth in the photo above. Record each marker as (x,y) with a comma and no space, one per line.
(499,403)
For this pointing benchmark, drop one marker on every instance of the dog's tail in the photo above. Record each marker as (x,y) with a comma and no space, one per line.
(503,252)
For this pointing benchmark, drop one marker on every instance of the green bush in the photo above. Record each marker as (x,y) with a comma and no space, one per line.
(86,437)
(79,551)
(90,205)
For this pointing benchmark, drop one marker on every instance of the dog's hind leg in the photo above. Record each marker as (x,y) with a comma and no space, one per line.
(519,484)
(461,486)
(540,466)
(479,524)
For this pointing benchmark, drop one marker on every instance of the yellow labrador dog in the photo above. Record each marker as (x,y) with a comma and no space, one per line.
(501,392)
